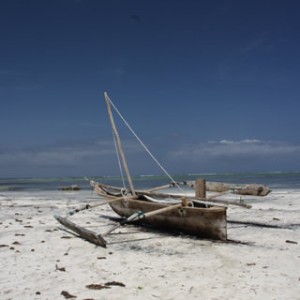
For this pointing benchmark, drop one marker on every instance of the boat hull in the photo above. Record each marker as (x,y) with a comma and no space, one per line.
(199,221)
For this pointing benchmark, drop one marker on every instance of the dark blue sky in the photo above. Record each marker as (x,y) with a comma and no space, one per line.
(209,86)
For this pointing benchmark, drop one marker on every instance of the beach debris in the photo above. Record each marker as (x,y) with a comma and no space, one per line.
(291,242)
(62,269)
(115,283)
(67,295)
(67,252)
(94,286)
(106,285)
(258,224)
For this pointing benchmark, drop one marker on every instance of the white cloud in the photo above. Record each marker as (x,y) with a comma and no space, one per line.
(247,141)
(248,155)
(235,149)
(63,155)
(99,157)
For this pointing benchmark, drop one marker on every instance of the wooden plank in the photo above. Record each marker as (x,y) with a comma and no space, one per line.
(82,232)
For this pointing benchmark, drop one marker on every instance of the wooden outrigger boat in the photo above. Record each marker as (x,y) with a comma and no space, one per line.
(198,215)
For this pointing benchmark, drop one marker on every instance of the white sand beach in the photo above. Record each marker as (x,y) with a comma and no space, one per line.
(39,260)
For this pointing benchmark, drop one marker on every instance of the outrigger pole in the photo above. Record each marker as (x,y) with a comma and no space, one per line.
(119,143)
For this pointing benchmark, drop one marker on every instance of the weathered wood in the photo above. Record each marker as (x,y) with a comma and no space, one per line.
(205,222)
(140,215)
(200,188)
(119,142)
(90,206)
(212,200)
(258,224)
(82,232)
(165,186)
(199,200)
(226,202)
(161,210)
(240,189)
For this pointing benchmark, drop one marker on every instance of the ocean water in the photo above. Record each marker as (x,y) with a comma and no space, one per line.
(275,180)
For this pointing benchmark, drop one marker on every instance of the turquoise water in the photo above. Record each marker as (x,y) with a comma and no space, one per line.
(277,180)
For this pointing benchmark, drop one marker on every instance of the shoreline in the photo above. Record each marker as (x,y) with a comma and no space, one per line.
(41,261)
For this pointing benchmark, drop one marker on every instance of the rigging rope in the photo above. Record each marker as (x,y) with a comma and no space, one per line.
(145,147)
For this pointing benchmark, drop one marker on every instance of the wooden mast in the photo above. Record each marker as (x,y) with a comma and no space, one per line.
(119,143)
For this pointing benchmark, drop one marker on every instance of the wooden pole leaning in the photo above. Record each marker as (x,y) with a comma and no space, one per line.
(107,99)
(90,206)
(140,215)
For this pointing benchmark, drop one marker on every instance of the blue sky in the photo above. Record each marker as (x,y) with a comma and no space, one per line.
(209,86)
